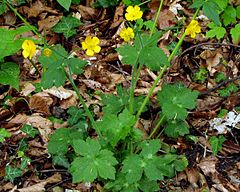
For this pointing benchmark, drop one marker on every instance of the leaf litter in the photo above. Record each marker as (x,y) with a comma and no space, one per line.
(203,172)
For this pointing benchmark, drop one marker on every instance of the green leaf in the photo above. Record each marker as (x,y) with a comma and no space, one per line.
(9,74)
(54,74)
(129,54)
(59,141)
(76,65)
(10,44)
(132,168)
(93,163)
(75,115)
(106,3)
(235,34)
(115,128)
(175,100)
(215,31)
(197,4)
(66,26)
(229,16)
(3,7)
(65,3)
(149,148)
(210,9)
(11,173)
(4,134)
(148,186)
(180,163)
(61,160)
(113,104)
(53,77)
(222,4)
(238,12)
(153,57)
(29,130)
(216,143)
(175,129)
(25,161)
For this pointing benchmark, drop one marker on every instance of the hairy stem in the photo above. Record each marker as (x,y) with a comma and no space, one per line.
(162,72)
(156,18)
(89,114)
(24,20)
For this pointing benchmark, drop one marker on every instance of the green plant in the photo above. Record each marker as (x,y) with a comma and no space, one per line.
(117,154)
(201,75)
(216,143)
(4,134)
(14,170)
(67,25)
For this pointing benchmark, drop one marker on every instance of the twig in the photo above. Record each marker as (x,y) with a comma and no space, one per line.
(202,44)
(218,86)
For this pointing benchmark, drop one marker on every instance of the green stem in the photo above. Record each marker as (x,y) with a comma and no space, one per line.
(24,20)
(34,66)
(131,99)
(144,3)
(162,72)
(156,18)
(89,114)
(134,79)
(157,126)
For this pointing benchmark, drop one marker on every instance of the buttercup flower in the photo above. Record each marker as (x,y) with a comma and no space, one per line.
(91,45)
(127,34)
(133,13)
(29,49)
(47,52)
(193,28)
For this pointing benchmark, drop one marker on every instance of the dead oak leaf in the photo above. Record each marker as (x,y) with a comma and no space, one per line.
(48,23)
(38,7)
(41,102)
(40,187)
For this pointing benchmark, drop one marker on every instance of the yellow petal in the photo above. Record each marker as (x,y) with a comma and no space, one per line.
(84,45)
(88,40)
(97,49)
(130,9)
(25,54)
(89,52)
(95,40)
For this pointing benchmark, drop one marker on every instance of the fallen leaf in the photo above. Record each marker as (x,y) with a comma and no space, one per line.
(48,23)
(88,13)
(60,92)
(38,8)
(41,102)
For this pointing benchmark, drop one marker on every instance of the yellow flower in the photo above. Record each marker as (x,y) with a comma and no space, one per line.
(29,49)
(47,52)
(193,28)
(133,13)
(127,34)
(91,45)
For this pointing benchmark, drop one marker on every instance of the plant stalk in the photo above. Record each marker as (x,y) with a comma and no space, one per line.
(162,71)
(24,20)
(156,18)
(89,114)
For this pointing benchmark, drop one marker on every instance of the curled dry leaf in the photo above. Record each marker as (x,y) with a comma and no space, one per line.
(38,7)
(40,187)
(60,92)
(48,23)
(88,13)
(41,102)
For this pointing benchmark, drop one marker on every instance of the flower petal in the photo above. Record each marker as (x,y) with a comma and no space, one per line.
(89,52)
(84,46)
(25,54)
(97,49)
(95,40)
